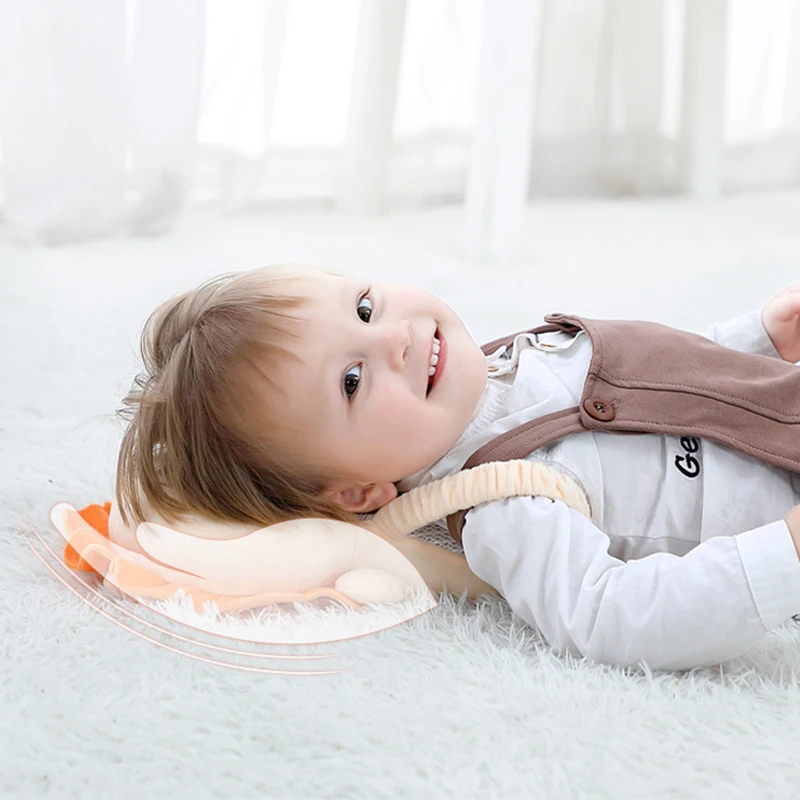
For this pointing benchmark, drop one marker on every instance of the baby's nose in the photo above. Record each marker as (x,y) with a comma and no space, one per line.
(399,341)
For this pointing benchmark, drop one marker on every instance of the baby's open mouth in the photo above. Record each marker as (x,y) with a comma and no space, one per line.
(436,363)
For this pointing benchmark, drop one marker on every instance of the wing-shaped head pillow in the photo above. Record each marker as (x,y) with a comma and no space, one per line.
(239,566)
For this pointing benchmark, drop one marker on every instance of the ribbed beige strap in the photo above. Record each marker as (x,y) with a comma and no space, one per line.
(492,481)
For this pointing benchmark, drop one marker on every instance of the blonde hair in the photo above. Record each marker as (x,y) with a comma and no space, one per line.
(201,439)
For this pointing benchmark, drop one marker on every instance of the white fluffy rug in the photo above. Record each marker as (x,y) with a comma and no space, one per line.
(462,702)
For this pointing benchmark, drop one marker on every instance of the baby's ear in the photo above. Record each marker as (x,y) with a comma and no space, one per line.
(363,499)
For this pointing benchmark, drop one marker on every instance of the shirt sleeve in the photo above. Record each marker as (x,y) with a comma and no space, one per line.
(745,333)
(552,566)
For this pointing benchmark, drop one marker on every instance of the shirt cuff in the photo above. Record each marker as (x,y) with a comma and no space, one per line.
(745,333)
(772,569)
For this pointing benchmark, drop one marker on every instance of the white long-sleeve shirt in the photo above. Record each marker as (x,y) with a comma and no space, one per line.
(686,560)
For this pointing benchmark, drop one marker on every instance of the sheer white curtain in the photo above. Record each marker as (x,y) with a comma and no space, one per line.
(99,104)
(115,114)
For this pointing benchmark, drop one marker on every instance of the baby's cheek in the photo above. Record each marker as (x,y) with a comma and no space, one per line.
(393,410)
(399,425)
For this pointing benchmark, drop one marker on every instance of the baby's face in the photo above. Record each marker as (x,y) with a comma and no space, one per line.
(361,393)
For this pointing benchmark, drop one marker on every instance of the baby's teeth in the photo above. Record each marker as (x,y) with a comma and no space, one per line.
(434,357)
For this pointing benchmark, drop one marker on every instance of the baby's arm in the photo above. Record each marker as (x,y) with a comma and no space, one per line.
(674,612)
(443,570)
(745,333)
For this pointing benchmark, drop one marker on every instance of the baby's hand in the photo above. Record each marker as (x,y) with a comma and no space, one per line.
(781,319)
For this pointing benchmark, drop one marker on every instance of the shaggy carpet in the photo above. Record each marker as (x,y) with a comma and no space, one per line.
(463,701)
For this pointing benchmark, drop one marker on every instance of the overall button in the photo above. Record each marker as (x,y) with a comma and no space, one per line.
(599,409)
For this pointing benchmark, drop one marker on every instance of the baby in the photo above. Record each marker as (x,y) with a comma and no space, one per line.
(292,391)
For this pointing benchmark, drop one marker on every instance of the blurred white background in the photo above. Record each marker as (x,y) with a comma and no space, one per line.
(116,114)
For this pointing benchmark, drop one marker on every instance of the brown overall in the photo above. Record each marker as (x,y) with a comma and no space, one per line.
(649,378)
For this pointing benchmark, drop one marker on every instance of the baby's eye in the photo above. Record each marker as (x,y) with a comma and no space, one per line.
(352,380)
(364,308)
